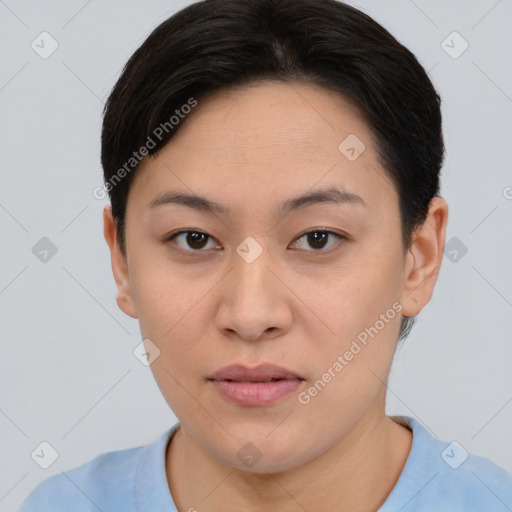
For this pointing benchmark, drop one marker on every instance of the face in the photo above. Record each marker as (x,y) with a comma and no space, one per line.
(314,286)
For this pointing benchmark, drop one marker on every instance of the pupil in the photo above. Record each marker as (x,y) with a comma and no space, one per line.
(194,239)
(320,239)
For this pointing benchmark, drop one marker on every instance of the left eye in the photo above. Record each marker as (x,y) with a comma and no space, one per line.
(318,238)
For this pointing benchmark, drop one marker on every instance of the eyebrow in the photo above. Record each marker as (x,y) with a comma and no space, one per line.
(331,195)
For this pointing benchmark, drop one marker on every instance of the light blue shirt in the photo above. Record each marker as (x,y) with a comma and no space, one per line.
(437,477)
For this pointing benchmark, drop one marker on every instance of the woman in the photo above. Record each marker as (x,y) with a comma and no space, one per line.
(275,226)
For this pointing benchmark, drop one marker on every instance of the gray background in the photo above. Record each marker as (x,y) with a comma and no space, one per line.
(67,372)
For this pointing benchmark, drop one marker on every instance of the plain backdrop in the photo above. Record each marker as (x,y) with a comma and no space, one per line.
(68,375)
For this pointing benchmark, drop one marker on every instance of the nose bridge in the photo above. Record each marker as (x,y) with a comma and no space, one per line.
(250,303)
(250,273)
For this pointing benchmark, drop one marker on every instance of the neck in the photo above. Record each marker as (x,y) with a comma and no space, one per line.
(356,474)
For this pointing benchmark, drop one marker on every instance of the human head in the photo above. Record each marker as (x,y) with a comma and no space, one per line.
(273,87)
(217,44)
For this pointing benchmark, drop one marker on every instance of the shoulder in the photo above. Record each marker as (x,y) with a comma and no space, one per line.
(107,482)
(476,483)
(443,476)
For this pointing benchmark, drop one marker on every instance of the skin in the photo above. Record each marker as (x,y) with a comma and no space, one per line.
(297,305)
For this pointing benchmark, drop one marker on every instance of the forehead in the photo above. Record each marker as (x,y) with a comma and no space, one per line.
(261,120)
(257,142)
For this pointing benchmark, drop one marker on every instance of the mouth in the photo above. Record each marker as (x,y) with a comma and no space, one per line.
(258,386)
(254,381)
(262,373)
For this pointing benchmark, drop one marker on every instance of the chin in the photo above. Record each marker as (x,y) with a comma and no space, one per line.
(261,452)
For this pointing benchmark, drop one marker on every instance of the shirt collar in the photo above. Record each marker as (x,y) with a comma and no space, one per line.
(151,486)
(421,466)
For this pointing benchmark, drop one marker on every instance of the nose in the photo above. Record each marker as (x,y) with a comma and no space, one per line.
(255,304)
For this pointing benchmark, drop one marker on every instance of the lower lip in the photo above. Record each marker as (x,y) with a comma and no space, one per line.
(256,393)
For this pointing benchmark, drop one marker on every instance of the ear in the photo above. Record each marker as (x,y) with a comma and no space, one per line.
(423,260)
(119,267)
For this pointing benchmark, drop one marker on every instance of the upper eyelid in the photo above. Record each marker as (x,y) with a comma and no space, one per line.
(323,230)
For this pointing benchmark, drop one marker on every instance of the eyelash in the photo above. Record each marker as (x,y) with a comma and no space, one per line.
(338,236)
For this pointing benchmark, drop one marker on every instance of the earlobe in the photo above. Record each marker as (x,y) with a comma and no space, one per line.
(424,258)
(124,297)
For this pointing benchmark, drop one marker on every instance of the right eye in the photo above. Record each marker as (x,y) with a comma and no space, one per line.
(196,240)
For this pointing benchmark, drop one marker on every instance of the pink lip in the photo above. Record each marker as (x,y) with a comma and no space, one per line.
(247,386)
(262,372)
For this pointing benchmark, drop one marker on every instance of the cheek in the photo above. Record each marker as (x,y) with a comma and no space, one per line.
(350,372)
(362,311)
(173,317)
(163,295)
(352,301)
(172,313)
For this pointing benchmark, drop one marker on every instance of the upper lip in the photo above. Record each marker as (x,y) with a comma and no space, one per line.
(260,373)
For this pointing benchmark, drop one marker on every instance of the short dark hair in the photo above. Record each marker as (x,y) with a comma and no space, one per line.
(213,45)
